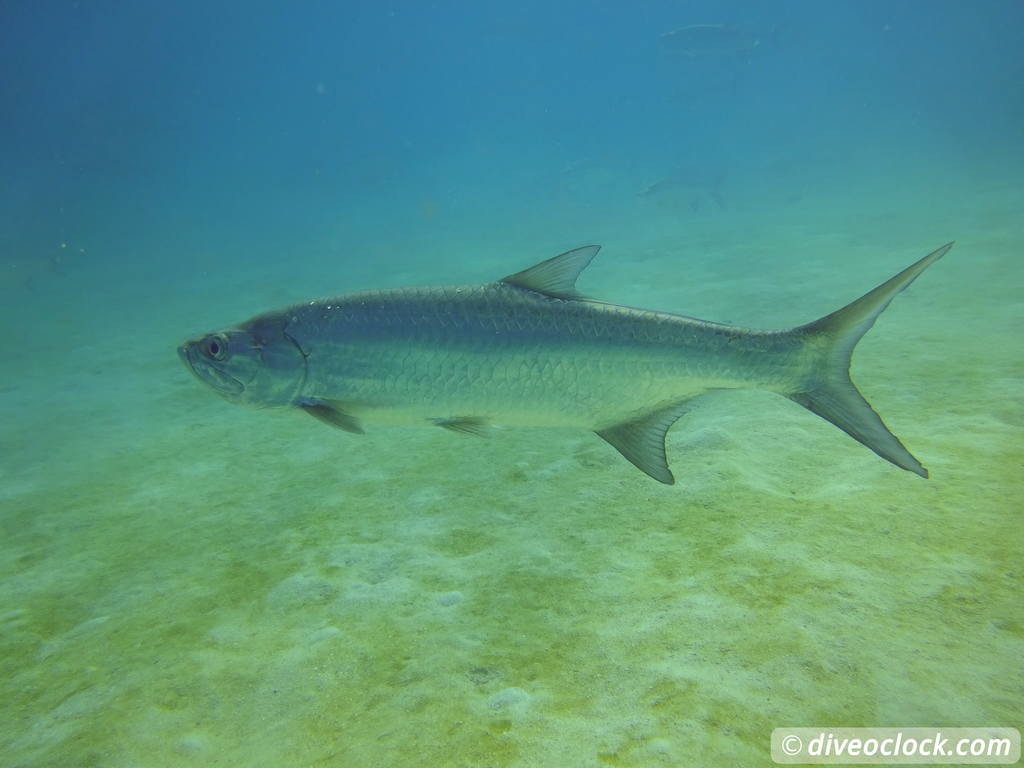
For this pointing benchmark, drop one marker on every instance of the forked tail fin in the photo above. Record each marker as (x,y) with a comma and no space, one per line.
(833,395)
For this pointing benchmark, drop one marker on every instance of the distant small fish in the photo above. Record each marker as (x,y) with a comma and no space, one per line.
(711,40)
(529,350)
(690,184)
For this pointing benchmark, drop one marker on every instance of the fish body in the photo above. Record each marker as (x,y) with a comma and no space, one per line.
(528,350)
(693,186)
(711,40)
(503,354)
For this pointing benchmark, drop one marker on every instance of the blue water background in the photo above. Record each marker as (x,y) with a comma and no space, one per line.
(253,131)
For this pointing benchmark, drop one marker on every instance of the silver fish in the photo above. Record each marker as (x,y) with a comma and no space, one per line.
(529,350)
(693,185)
(711,40)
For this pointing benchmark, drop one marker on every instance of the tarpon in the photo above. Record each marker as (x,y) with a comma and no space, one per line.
(695,185)
(711,40)
(529,350)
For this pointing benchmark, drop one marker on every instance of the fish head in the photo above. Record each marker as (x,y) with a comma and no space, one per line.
(256,364)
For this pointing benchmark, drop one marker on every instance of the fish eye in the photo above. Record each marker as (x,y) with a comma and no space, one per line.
(216,346)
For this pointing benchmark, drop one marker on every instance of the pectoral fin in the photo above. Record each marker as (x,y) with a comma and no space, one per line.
(331,412)
(642,441)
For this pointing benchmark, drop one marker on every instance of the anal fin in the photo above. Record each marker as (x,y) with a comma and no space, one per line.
(331,412)
(642,441)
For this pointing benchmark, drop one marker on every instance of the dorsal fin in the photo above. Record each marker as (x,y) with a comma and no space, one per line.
(555,277)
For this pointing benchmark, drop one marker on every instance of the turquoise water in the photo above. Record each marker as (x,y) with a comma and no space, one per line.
(189,583)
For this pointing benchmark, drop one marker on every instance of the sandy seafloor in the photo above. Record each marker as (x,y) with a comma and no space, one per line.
(189,583)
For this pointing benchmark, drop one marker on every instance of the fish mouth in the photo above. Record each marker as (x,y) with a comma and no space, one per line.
(220,382)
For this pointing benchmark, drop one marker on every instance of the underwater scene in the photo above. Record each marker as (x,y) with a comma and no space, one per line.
(220,219)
